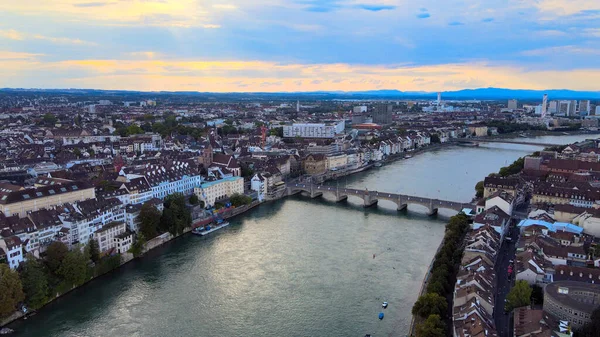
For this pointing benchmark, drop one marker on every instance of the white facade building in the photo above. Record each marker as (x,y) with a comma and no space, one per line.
(313,130)
(212,191)
(107,235)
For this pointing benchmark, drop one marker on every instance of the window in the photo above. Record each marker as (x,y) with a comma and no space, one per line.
(26,196)
(74,187)
(39,194)
(52,192)
(62,189)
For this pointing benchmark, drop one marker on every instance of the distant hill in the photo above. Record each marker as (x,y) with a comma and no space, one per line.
(478,94)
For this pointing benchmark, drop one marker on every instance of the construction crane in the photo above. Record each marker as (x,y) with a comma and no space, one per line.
(263,135)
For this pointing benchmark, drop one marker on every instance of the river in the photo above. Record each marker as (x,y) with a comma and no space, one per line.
(296,267)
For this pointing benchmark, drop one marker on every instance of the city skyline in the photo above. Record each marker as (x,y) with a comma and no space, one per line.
(301,45)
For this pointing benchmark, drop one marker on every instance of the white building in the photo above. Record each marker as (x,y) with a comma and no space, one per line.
(258,184)
(13,249)
(212,191)
(107,235)
(359,109)
(512,104)
(123,242)
(85,218)
(584,107)
(313,130)
(502,200)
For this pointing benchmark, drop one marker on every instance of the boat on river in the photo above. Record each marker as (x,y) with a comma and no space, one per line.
(384,305)
(205,230)
(381,315)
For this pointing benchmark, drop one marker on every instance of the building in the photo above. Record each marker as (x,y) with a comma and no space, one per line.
(494,184)
(478,130)
(123,242)
(584,107)
(545,105)
(564,108)
(382,114)
(27,200)
(258,183)
(107,236)
(571,301)
(512,104)
(313,130)
(212,191)
(13,248)
(315,164)
(359,109)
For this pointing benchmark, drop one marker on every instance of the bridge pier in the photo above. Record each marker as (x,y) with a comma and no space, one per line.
(340,198)
(291,191)
(369,201)
(401,206)
(432,212)
(314,195)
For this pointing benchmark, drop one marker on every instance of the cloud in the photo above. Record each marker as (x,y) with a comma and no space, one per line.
(12,34)
(487,20)
(93,4)
(226,76)
(569,49)
(423,15)
(224,6)
(375,8)
(455,23)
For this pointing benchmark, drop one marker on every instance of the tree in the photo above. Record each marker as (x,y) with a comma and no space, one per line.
(11,290)
(149,219)
(55,254)
(433,326)
(430,304)
(77,152)
(194,199)
(35,282)
(276,132)
(77,120)
(49,119)
(519,295)
(137,248)
(479,188)
(435,139)
(73,268)
(94,249)
(134,129)
(239,199)
(176,217)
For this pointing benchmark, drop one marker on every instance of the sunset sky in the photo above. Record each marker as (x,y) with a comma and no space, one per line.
(300,45)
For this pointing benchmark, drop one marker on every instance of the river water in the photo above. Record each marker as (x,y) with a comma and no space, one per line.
(296,267)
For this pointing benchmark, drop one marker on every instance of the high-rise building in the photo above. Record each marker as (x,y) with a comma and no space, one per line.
(512,104)
(439,100)
(553,107)
(584,107)
(544,105)
(359,109)
(564,108)
(297,106)
(573,108)
(382,114)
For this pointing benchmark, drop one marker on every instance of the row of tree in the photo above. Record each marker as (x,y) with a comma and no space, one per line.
(432,307)
(174,219)
(37,281)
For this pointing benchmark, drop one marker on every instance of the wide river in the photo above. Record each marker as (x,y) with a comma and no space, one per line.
(296,267)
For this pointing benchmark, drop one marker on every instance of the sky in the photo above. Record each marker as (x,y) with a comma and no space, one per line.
(300,45)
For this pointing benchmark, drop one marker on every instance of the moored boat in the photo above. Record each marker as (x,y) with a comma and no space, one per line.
(204,230)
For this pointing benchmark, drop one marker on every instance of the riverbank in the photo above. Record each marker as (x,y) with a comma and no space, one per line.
(128,257)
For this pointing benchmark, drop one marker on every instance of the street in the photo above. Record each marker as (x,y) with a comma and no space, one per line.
(503,284)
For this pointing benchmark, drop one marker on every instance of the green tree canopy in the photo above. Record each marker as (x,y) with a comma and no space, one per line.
(11,290)
(94,250)
(49,119)
(176,217)
(430,304)
(35,282)
(55,254)
(519,295)
(194,199)
(239,199)
(149,219)
(73,268)
(479,188)
(433,326)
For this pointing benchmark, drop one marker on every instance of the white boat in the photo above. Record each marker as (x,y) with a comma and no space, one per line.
(384,305)
(407,156)
(378,164)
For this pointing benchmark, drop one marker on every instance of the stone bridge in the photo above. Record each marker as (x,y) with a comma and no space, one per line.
(502,141)
(370,198)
